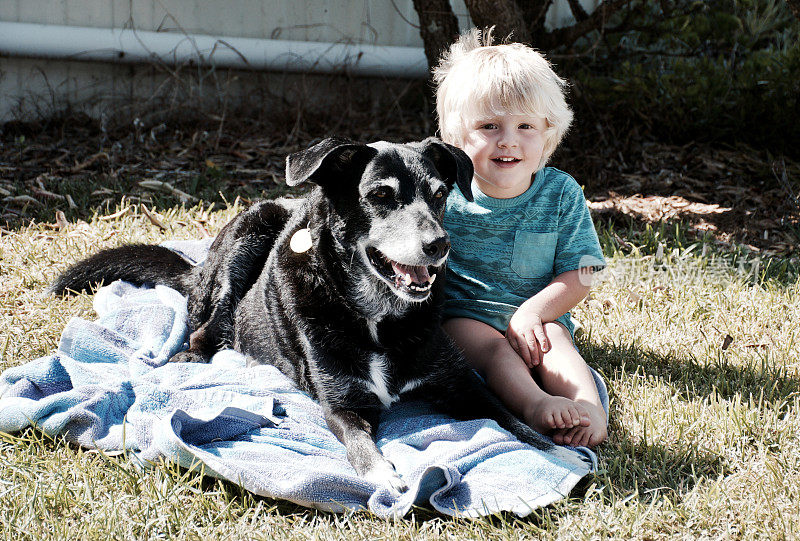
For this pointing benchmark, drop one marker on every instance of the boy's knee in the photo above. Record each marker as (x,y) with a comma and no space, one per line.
(561,342)
(555,329)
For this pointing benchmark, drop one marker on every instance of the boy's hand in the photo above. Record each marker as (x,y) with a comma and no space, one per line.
(525,330)
(526,335)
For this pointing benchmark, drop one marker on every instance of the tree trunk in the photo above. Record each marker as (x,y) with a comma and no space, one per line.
(533,13)
(505,15)
(438,27)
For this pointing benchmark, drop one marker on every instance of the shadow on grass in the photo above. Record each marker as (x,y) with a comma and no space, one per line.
(628,235)
(647,468)
(635,465)
(762,379)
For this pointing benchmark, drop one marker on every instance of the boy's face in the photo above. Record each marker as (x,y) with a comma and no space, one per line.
(506,151)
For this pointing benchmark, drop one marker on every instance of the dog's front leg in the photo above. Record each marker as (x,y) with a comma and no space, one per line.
(234,263)
(357,435)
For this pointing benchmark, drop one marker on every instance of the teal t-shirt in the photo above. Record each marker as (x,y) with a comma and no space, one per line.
(504,251)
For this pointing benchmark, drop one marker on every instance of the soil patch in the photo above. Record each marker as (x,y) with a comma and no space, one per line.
(78,166)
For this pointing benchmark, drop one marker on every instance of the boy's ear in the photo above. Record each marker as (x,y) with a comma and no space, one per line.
(329,159)
(452,163)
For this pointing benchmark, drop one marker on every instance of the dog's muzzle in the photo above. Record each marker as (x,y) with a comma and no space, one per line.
(437,249)
(414,281)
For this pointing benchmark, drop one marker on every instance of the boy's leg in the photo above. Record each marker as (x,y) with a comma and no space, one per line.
(489,352)
(563,372)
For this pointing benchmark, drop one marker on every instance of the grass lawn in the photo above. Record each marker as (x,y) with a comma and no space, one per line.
(699,345)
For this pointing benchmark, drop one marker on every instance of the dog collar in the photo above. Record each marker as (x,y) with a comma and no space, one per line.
(301,241)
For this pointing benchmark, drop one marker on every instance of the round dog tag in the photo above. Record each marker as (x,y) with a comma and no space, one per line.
(301,241)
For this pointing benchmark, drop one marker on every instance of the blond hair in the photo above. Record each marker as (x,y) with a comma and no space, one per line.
(475,79)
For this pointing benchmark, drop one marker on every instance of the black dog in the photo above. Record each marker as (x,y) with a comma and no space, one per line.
(338,290)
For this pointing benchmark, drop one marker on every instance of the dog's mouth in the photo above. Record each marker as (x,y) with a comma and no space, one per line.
(415,281)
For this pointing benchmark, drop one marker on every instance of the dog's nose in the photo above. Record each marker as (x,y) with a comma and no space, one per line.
(438,248)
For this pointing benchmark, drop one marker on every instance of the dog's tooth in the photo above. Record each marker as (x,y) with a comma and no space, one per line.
(432,278)
(407,279)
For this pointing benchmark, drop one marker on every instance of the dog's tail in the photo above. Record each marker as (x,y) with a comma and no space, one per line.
(136,263)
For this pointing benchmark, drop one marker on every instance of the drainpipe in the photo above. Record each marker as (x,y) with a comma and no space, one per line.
(138,46)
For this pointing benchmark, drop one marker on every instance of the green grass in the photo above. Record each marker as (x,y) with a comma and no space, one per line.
(700,348)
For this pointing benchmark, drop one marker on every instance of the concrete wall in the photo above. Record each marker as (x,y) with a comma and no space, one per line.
(36,87)
(363,21)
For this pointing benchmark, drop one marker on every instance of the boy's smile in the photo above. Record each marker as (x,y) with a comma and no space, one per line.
(505,161)
(506,151)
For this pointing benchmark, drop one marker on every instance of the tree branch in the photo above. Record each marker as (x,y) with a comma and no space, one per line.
(626,25)
(597,20)
(577,10)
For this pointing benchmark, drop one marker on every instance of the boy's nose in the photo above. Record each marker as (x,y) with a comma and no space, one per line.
(507,140)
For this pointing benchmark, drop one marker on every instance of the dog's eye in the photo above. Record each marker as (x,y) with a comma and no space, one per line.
(440,193)
(381,192)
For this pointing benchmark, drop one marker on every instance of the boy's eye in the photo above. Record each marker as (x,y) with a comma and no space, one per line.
(526,126)
(488,126)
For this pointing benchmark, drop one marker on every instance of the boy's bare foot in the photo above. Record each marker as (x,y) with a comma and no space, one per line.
(556,413)
(590,435)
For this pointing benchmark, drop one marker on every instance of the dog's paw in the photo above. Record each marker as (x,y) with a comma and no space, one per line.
(188,357)
(384,474)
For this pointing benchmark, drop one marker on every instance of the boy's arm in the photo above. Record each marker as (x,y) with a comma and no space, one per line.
(525,330)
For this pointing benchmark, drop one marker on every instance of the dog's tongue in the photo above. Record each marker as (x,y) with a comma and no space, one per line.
(417,275)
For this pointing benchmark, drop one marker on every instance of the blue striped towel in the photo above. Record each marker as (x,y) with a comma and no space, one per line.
(109,387)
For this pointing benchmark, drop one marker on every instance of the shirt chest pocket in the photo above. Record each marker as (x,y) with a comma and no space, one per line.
(534,253)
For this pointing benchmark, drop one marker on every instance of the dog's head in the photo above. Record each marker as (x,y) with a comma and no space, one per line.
(386,206)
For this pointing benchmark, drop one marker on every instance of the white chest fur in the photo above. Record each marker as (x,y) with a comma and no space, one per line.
(378,383)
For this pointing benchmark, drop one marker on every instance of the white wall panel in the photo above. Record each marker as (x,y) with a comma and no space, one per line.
(34,81)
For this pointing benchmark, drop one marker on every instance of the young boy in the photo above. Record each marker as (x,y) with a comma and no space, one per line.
(523,252)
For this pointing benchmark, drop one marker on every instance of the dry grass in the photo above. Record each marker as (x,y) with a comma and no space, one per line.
(702,367)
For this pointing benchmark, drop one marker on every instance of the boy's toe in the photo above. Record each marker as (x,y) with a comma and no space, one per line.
(574,415)
(582,440)
(569,436)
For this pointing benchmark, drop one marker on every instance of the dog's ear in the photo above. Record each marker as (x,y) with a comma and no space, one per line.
(452,163)
(330,158)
